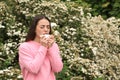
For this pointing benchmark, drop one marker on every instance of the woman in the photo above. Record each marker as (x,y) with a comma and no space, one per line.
(39,56)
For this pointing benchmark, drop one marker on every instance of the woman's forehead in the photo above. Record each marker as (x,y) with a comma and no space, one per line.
(43,21)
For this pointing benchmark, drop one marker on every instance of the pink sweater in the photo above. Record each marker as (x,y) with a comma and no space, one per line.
(39,63)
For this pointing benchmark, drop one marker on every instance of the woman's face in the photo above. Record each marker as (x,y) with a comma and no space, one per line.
(43,27)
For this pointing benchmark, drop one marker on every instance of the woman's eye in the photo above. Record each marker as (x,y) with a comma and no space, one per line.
(41,27)
(48,27)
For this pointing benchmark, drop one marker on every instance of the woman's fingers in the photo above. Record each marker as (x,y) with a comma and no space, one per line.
(47,41)
(51,41)
(43,41)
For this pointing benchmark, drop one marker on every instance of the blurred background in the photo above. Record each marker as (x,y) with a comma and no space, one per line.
(87,31)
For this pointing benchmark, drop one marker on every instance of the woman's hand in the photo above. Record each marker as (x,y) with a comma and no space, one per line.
(51,40)
(43,41)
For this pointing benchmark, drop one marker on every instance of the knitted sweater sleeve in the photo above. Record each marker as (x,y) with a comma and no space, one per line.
(55,59)
(26,60)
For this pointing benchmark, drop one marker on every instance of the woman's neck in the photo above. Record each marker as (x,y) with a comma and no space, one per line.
(36,39)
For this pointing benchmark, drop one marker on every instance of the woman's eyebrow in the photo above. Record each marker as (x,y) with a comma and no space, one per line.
(44,25)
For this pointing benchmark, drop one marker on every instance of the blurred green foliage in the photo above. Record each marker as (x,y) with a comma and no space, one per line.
(105,8)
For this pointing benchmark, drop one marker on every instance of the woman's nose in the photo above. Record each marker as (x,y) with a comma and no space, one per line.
(46,29)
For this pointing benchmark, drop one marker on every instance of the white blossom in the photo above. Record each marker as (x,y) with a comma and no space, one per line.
(53,24)
(1,26)
(56,33)
(90,43)
(20,1)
